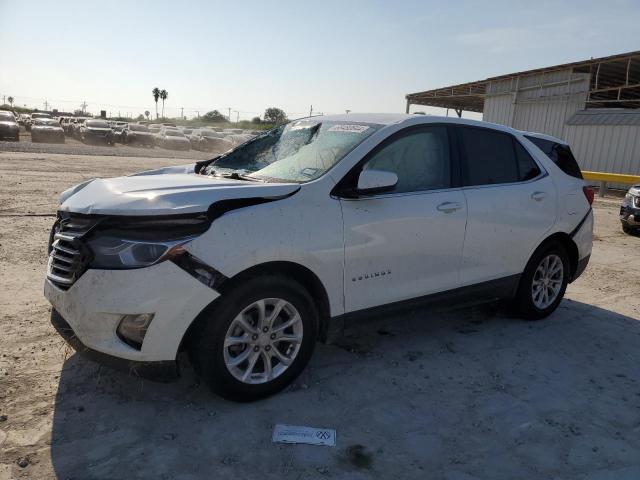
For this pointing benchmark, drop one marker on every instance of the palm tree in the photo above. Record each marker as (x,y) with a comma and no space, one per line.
(147,113)
(10,99)
(156,95)
(163,95)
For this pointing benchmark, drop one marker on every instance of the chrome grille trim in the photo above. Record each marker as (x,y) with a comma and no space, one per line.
(69,257)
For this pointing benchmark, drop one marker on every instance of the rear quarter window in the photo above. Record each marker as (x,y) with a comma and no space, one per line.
(559,153)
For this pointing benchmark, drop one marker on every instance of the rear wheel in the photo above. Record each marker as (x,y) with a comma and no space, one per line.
(543,282)
(256,338)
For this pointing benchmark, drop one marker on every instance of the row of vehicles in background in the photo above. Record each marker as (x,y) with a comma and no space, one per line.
(165,135)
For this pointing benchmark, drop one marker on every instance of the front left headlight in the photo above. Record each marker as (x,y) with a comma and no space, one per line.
(112,252)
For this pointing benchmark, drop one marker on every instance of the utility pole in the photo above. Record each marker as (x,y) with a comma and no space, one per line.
(198,113)
(181,112)
(229,116)
(84,107)
(4,99)
(46,104)
(311,111)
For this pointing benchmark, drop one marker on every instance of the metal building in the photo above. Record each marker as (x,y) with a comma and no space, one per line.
(594,105)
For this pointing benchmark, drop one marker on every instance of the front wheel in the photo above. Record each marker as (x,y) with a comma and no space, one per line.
(256,339)
(543,282)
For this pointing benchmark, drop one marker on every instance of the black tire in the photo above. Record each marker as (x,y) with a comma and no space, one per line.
(207,345)
(523,302)
(627,229)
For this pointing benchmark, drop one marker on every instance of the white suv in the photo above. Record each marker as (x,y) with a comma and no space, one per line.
(248,259)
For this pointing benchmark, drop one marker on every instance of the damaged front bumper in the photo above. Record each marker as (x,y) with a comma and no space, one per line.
(89,312)
(158,370)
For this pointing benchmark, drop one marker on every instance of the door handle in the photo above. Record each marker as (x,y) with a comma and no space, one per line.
(448,207)
(538,196)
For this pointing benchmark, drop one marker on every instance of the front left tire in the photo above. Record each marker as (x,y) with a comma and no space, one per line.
(255,339)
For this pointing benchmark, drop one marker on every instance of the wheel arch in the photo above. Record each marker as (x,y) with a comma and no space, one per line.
(569,245)
(299,273)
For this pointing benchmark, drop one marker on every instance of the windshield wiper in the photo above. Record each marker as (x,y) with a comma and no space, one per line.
(235,175)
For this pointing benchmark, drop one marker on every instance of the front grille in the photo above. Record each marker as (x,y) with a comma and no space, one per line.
(68,255)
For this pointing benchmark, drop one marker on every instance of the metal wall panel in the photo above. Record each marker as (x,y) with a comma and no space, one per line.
(606,148)
(499,109)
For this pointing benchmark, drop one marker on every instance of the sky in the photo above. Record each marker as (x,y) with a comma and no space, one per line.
(363,56)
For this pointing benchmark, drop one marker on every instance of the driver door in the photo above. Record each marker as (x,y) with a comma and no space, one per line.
(406,242)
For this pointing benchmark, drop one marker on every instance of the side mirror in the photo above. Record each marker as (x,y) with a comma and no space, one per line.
(376,181)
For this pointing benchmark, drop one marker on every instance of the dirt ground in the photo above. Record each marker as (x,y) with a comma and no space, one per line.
(456,395)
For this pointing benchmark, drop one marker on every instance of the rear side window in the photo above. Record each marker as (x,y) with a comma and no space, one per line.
(490,157)
(560,155)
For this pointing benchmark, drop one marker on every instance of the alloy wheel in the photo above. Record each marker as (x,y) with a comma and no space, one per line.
(547,281)
(263,340)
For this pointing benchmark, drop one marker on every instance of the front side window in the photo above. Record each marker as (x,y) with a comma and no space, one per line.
(420,159)
(490,157)
(299,151)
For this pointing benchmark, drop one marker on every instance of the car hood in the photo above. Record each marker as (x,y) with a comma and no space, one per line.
(167,194)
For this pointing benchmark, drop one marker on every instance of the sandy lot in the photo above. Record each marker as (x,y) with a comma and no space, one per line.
(457,395)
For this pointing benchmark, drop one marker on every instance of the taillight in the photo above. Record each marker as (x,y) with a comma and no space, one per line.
(588,193)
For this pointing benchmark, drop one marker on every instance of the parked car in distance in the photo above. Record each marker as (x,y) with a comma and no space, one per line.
(172,139)
(96,131)
(630,210)
(155,128)
(9,128)
(46,130)
(32,117)
(136,134)
(75,127)
(250,258)
(117,128)
(169,124)
(68,124)
(207,140)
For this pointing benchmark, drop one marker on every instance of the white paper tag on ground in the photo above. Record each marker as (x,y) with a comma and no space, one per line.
(309,435)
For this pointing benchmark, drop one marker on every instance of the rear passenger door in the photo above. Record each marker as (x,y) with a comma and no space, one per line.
(511,204)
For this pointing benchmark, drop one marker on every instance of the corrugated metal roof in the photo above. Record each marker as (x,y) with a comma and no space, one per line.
(604,116)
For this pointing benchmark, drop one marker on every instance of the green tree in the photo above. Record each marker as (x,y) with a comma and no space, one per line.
(163,95)
(256,120)
(156,95)
(10,99)
(140,117)
(214,116)
(147,113)
(275,115)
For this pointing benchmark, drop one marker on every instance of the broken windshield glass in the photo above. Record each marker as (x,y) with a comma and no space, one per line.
(299,151)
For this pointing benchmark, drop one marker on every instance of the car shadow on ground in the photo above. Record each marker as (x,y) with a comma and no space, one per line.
(462,394)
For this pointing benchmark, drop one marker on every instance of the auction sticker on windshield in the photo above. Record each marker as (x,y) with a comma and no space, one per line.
(309,435)
(349,128)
